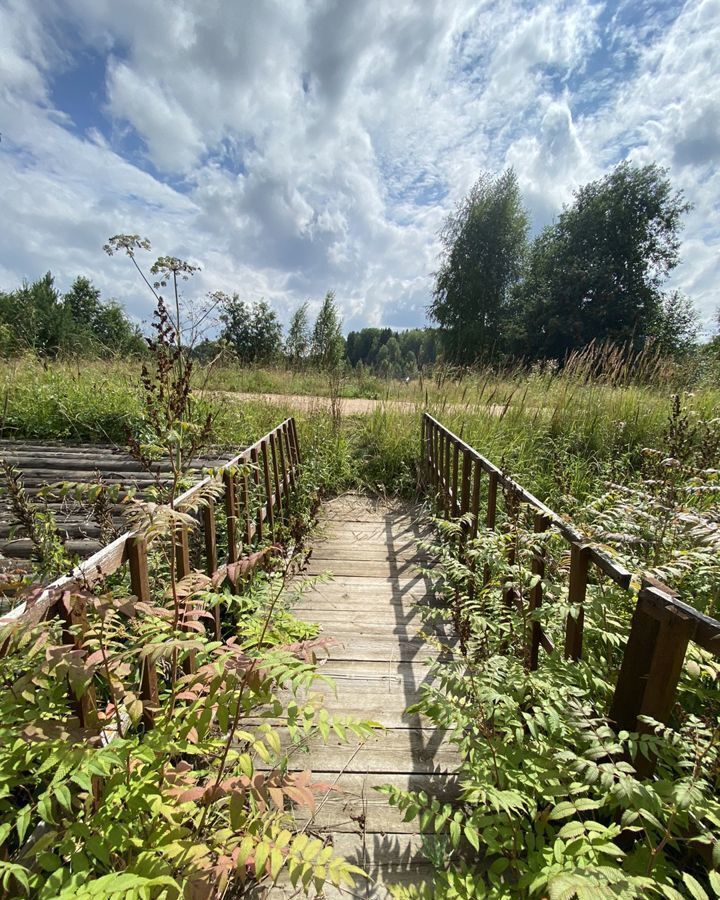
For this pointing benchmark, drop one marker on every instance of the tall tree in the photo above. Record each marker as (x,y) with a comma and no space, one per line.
(597,273)
(483,245)
(328,346)
(675,329)
(297,344)
(251,329)
(82,302)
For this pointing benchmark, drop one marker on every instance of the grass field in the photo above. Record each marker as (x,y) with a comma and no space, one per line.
(556,432)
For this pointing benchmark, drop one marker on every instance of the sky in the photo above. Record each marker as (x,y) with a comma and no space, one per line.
(293,147)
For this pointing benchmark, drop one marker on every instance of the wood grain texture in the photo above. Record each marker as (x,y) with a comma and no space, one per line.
(371,606)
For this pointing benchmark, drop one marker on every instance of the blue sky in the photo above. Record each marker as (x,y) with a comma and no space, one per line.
(293,147)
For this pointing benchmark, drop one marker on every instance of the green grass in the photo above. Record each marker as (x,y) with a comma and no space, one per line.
(557,433)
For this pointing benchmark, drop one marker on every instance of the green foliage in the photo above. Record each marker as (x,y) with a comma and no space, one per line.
(327,344)
(202,800)
(483,246)
(35,317)
(410,350)
(297,345)
(597,273)
(251,329)
(552,801)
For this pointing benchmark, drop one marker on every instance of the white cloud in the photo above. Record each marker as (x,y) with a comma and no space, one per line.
(293,147)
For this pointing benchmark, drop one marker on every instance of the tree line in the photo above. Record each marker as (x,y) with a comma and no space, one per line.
(36,317)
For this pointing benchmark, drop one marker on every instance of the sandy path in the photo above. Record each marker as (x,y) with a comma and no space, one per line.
(304,402)
(348,405)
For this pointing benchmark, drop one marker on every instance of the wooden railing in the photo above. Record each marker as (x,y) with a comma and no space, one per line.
(662,624)
(257,488)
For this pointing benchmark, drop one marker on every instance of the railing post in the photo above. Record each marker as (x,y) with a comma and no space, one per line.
(268,490)
(72,611)
(231,515)
(652,661)
(255,461)
(475,503)
(454,502)
(290,460)
(295,442)
(491,514)
(540,525)
(579,561)
(209,534)
(283,467)
(140,586)
(245,482)
(276,476)
(465,484)
(183,569)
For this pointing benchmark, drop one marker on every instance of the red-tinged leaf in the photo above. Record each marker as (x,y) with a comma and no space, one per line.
(324,787)
(186,695)
(195,626)
(307,649)
(302,779)
(302,796)
(192,736)
(127,608)
(276,795)
(94,659)
(193,793)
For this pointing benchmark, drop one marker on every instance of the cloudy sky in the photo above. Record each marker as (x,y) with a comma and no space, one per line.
(290,147)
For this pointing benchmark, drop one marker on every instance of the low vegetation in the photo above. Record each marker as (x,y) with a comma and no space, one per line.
(191,795)
(552,801)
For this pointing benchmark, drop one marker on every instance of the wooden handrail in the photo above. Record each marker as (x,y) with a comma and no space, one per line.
(662,624)
(110,558)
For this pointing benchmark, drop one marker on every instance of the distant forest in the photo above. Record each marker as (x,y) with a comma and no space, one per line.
(596,275)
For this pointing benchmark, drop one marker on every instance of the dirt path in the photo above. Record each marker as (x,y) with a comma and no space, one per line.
(348,405)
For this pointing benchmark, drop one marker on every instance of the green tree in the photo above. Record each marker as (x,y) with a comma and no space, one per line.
(252,330)
(112,329)
(597,273)
(82,302)
(297,344)
(94,324)
(675,329)
(483,245)
(36,317)
(327,346)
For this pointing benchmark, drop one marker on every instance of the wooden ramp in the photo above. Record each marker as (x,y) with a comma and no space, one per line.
(370,606)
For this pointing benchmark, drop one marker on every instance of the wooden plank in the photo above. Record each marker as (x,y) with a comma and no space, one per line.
(354,804)
(396,750)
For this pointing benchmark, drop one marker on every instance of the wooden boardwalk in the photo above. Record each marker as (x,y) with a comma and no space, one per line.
(370,606)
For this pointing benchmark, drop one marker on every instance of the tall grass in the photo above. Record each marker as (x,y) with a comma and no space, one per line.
(556,430)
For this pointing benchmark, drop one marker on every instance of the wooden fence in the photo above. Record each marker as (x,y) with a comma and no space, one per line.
(662,625)
(257,488)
